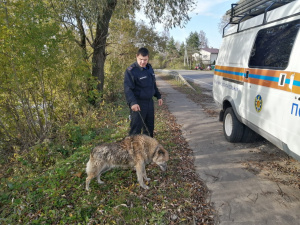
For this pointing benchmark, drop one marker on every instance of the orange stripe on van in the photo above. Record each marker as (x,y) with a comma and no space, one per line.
(262,77)
(234,73)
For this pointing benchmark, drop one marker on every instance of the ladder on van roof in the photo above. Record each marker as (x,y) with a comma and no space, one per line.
(246,9)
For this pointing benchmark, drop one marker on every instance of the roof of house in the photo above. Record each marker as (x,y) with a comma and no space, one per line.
(211,50)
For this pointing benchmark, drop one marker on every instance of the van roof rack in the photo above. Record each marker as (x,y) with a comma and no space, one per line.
(246,9)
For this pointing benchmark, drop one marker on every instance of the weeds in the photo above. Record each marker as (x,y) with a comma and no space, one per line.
(46,184)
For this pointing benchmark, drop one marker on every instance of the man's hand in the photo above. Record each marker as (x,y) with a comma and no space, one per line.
(135,108)
(160,102)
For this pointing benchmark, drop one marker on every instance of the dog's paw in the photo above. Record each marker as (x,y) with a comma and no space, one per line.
(100,182)
(145,187)
(147,179)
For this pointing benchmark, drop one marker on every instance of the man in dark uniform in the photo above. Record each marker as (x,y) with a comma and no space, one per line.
(140,87)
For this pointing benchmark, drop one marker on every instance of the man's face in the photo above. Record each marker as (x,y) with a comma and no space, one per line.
(142,60)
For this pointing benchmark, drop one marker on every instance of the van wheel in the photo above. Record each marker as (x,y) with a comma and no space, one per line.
(249,135)
(232,127)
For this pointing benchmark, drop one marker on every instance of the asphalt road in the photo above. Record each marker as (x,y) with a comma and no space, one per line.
(203,78)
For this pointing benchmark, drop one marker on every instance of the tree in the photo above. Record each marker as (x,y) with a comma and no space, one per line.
(41,76)
(203,39)
(193,42)
(90,19)
(223,22)
(147,37)
(172,51)
(192,46)
(182,49)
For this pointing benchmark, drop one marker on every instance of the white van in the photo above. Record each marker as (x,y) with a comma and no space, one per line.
(257,75)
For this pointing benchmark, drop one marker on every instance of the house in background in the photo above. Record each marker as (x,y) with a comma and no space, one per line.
(209,55)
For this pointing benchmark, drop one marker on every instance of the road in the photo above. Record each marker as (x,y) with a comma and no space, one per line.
(203,78)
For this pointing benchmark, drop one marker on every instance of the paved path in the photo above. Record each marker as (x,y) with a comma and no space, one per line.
(201,77)
(239,196)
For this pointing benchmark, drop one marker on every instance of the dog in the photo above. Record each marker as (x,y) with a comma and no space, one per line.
(133,151)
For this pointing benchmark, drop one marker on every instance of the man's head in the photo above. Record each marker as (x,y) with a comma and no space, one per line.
(142,57)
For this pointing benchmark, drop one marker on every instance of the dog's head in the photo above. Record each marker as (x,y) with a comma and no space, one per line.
(161,156)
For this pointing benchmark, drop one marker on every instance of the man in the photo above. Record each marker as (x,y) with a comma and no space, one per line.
(140,87)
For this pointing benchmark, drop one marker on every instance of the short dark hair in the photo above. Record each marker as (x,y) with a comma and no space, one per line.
(143,52)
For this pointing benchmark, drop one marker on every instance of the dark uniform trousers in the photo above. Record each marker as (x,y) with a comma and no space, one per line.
(147,113)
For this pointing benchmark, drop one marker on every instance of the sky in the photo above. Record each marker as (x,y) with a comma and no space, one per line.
(206,16)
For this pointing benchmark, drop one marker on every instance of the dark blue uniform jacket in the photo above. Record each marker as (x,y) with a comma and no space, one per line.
(139,84)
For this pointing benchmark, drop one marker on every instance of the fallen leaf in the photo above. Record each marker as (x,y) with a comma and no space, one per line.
(78,174)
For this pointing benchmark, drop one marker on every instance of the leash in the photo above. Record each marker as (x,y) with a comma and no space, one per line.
(144,123)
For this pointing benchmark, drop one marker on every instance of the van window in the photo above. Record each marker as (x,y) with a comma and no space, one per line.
(273,46)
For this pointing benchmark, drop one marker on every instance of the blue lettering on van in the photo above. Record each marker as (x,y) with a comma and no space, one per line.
(296,106)
(229,86)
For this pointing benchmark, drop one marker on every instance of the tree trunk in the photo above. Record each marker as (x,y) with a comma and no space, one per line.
(82,42)
(99,45)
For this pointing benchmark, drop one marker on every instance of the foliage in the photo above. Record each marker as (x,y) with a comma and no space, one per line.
(203,39)
(182,49)
(56,194)
(223,22)
(43,79)
(47,124)
(168,12)
(48,127)
(46,80)
(147,37)
(158,61)
(114,79)
(193,42)
(171,50)
(177,63)
(90,20)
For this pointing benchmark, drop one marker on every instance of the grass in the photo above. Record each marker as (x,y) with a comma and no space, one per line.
(46,185)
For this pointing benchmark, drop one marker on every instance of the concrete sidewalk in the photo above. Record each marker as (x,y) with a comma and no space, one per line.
(239,196)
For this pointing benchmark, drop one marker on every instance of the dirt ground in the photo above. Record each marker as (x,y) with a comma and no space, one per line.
(267,161)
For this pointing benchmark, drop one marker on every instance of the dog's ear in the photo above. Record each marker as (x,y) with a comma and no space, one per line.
(163,152)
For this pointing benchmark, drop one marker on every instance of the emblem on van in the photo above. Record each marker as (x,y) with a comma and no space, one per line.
(258,103)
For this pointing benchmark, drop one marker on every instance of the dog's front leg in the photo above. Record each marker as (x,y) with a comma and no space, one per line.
(140,167)
(144,173)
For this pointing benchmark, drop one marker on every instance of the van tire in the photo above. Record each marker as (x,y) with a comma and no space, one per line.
(249,135)
(233,129)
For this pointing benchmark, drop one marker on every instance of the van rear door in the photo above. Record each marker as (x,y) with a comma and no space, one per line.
(291,107)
